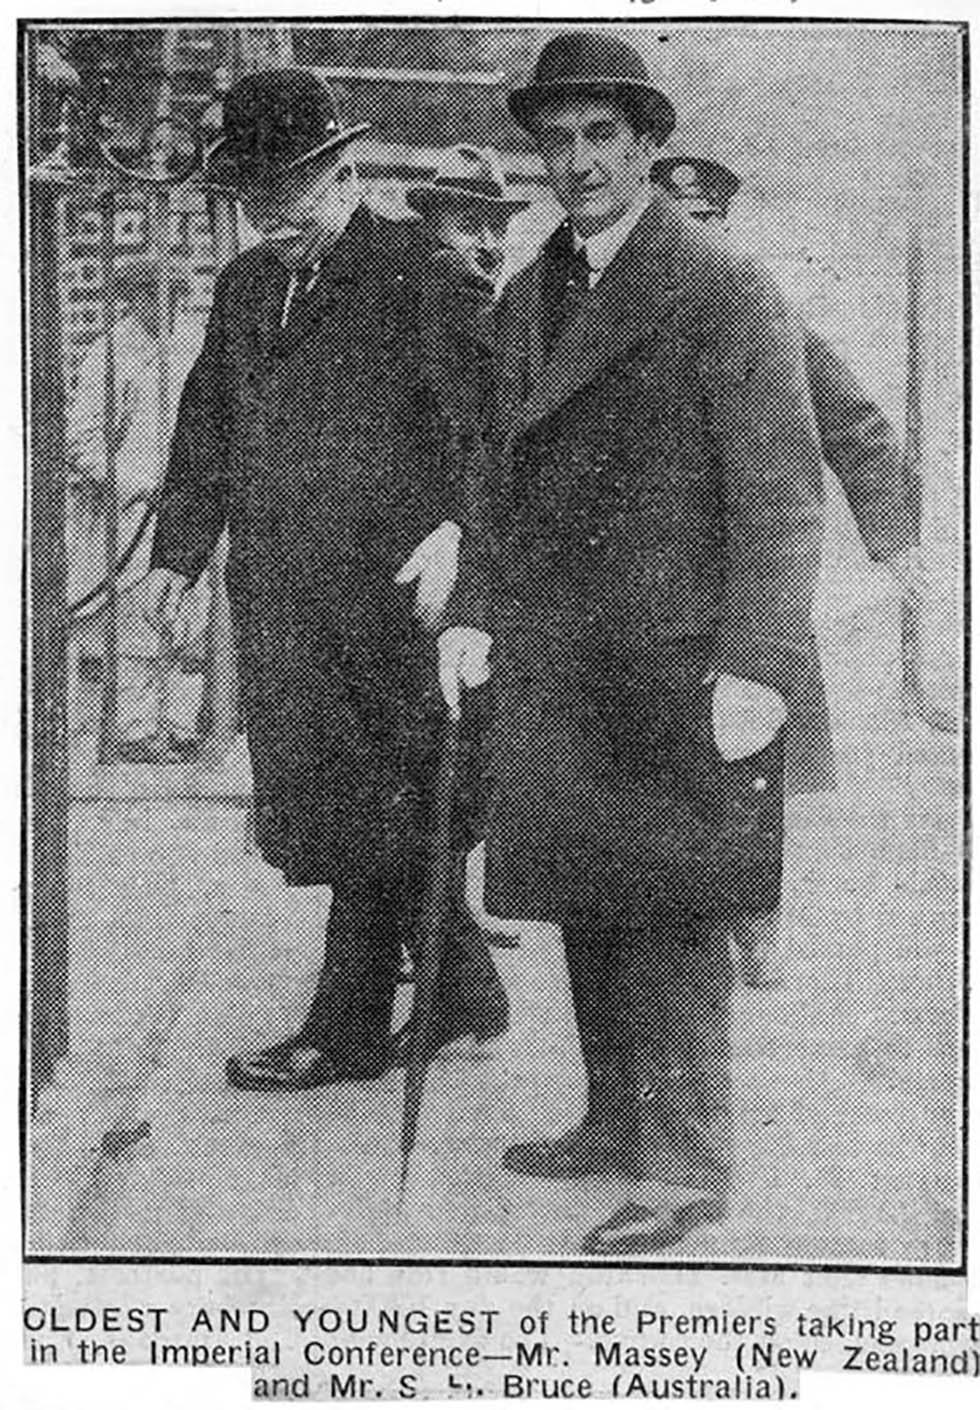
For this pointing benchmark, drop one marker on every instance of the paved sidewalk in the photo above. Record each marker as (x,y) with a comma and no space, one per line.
(846,1078)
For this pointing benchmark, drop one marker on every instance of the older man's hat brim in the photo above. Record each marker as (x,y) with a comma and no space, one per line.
(653,108)
(226,168)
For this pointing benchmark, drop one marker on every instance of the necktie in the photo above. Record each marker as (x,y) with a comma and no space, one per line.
(568,281)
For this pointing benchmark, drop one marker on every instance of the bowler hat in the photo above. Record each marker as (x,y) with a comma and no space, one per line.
(706,187)
(585,61)
(465,176)
(272,122)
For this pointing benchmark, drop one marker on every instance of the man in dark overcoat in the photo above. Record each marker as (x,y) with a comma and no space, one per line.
(641,593)
(307,430)
(861,449)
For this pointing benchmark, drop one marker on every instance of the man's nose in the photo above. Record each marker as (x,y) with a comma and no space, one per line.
(582,156)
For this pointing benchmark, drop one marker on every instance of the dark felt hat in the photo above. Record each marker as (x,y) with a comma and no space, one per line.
(465,176)
(705,187)
(275,121)
(588,62)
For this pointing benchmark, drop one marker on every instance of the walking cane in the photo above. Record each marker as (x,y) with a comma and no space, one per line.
(433,928)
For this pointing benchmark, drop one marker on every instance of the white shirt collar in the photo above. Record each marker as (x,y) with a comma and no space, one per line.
(602,248)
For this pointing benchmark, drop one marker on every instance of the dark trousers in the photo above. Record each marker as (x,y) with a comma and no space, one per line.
(652,1004)
(372,916)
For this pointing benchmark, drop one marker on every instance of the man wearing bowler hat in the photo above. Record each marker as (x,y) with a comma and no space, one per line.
(861,448)
(644,575)
(307,430)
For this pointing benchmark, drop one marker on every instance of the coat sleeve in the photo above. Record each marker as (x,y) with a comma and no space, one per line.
(455,312)
(193,507)
(763,427)
(467,607)
(861,448)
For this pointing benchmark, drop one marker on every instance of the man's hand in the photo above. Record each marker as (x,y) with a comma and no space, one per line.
(164,593)
(463,653)
(433,565)
(745,716)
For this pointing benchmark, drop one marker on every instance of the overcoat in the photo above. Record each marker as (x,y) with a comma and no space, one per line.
(320,447)
(861,448)
(651,517)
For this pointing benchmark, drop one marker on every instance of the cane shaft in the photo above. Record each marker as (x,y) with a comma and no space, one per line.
(431,943)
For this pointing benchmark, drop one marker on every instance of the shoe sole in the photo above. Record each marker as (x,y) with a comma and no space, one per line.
(671,1232)
(242,1081)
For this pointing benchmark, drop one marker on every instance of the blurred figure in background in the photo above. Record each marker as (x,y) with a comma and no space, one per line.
(466,211)
(859,446)
(157,702)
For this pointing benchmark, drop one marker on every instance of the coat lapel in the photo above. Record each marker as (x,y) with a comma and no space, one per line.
(520,351)
(626,305)
(268,294)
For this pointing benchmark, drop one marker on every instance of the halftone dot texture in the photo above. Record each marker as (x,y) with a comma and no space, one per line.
(828,1109)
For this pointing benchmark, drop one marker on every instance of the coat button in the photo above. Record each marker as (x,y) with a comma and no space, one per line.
(759,784)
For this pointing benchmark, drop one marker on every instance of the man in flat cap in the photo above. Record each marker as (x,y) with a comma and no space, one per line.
(307,428)
(465,210)
(860,447)
(645,577)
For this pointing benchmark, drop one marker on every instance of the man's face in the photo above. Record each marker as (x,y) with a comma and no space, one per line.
(596,163)
(478,233)
(302,213)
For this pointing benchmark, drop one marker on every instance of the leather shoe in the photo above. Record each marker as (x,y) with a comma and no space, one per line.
(636,1229)
(591,1148)
(481,1025)
(297,1064)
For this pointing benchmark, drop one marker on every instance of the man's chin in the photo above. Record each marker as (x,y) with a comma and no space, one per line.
(592,216)
(592,213)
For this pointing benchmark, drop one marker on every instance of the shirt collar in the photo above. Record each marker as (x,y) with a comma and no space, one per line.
(602,248)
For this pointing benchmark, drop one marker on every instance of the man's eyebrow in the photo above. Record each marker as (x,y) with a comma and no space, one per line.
(553,129)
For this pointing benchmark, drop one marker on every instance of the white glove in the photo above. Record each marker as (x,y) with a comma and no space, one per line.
(463,653)
(433,565)
(745,716)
